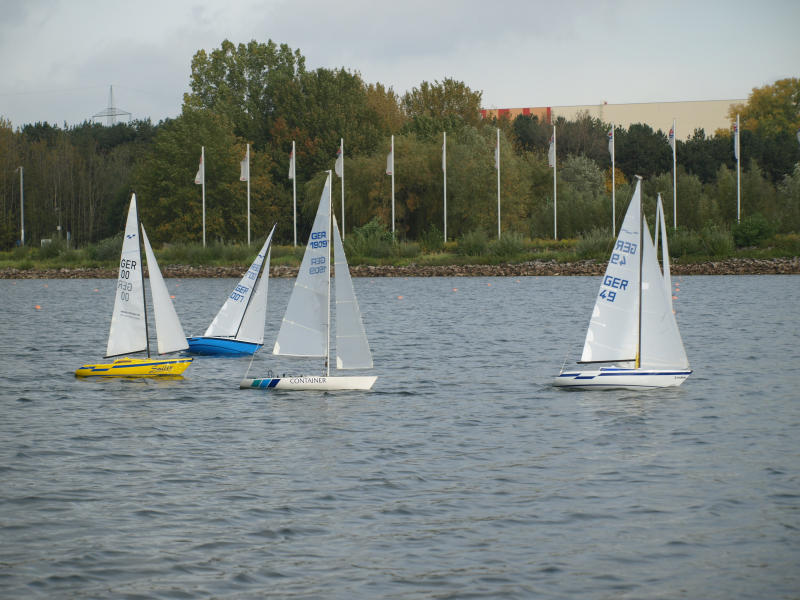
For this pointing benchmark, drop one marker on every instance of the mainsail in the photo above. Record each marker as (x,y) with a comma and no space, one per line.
(128,333)
(304,330)
(612,335)
(229,321)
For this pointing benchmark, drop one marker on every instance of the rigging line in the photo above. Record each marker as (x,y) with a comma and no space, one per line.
(252,358)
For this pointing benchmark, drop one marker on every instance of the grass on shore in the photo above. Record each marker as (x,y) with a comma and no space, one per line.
(380,250)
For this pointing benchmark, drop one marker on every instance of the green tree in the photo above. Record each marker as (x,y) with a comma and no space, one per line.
(771,109)
(439,100)
(171,203)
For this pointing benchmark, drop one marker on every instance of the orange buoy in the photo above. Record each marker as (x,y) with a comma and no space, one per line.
(38,307)
(399,297)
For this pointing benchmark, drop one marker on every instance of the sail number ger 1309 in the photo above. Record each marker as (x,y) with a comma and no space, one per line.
(318,240)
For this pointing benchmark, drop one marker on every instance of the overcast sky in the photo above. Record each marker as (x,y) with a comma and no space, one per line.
(59,57)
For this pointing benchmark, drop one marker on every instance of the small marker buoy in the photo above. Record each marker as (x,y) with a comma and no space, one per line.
(173,297)
(399,297)
(37,307)
(489,284)
(96,290)
(455,289)
(674,297)
(45,285)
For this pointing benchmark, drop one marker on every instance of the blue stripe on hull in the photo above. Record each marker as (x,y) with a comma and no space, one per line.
(221,346)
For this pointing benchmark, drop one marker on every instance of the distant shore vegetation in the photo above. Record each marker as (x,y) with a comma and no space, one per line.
(78,180)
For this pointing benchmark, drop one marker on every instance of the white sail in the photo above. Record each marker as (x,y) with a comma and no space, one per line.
(252,328)
(661,225)
(128,331)
(662,347)
(168,327)
(352,347)
(229,318)
(304,330)
(613,328)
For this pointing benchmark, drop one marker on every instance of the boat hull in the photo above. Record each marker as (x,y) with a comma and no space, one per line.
(215,346)
(136,367)
(617,378)
(320,383)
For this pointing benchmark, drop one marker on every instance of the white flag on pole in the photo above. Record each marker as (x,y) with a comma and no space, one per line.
(337,167)
(390,162)
(610,143)
(291,164)
(244,167)
(198,179)
(551,153)
(736,138)
(444,152)
(672,136)
(497,154)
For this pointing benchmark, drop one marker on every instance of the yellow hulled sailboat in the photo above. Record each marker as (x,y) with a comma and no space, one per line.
(129,331)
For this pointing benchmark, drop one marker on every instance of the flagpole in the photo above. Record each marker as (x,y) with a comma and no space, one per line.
(498,183)
(444,170)
(738,173)
(392,185)
(674,178)
(248,194)
(341,148)
(294,191)
(613,183)
(203,163)
(555,195)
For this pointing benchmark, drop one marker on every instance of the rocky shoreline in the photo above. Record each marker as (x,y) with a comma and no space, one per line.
(731,266)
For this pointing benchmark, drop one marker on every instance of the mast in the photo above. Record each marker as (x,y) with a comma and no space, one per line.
(328,270)
(641,261)
(248,194)
(141,274)
(498,182)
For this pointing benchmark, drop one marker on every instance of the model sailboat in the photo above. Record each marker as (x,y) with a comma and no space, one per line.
(129,333)
(305,330)
(633,326)
(238,328)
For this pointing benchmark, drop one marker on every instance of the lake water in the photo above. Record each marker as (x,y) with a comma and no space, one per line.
(463,474)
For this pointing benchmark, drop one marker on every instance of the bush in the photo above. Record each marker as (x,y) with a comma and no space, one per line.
(684,242)
(473,243)
(370,240)
(595,244)
(509,245)
(751,231)
(53,249)
(717,241)
(789,243)
(432,240)
(106,250)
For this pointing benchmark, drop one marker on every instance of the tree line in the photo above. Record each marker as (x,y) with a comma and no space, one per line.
(80,178)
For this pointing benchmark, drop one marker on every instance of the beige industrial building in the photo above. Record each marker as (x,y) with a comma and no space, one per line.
(709,115)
